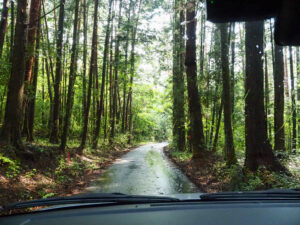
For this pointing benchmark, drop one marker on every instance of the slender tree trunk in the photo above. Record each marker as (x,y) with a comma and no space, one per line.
(178,80)
(49,48)
(279,99)
(258,148)
(72,79)
(30,59)
(100,104)
(298,90)
(3,24)
(293,99)
(93,70)
(267,95)
(31,103)
(12,28)
(286,74)
(202,43)
(43,91)
(58,76)
(232,69)
(218,126)
(132,71)
(85,28)
(193,93)
(124,115)
(14,111)
(116,71)
(229,145)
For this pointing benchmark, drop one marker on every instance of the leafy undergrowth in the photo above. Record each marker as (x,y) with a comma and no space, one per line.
(42,170)
(212,175)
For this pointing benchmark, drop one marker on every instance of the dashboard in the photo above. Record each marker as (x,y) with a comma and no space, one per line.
(203,213)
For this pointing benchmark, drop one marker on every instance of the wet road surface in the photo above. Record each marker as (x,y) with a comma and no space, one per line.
(144,171)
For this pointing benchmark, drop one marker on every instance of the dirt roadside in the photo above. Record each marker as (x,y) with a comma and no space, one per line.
(39,178)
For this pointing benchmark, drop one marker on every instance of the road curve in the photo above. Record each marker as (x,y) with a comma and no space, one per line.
(144,171)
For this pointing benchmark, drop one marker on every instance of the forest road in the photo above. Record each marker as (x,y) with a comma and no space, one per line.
(143,171)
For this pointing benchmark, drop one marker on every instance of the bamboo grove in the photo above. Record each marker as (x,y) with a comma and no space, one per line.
(234,90)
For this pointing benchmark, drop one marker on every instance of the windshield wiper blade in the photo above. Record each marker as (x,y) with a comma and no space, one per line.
(118,198)
(277,194)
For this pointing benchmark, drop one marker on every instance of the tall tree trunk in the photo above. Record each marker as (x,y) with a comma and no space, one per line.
(93,71)
(267,95)
(193,93)
(232,69)
(85,29)
(286,74)
(12,28)
(229,145)
(178,81)
(49,48)
(58,76)
(3,24)
(279,99)
(298,89)
(72,79)
(202,43)
(214,148)
(293,98)
(30,59)
(100,103)
(132,71)
(31,103)
(124,115)
(116,71)
(14,111)
(258,148)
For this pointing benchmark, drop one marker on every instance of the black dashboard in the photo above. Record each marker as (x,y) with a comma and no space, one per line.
(204,213)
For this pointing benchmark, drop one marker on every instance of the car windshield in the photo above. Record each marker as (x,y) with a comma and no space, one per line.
(143,97)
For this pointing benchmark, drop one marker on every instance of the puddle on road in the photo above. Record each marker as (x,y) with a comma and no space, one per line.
(145,170)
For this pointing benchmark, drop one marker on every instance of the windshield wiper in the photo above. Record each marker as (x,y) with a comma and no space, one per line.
(280,194)
(117,198)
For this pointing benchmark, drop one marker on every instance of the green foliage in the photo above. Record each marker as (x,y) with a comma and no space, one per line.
(235,178)
(65,173)
(31,173)
(182,156)
(11,167)
(47,195)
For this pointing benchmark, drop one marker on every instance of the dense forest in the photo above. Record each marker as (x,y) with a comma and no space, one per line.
(77,74)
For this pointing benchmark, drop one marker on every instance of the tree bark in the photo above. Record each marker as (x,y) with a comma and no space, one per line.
(191,73)
(72,79)
(214,148)
(3,24)
(258,148)
(124,115)
(29,91)
(14,111)
(293,99)
(85,29)
(100,104)
(54,136)
(132,71)
(93,71)
(229,145)
(232,72)
(298,89)
(178,79)
(267,95)
(116,71)
(279,99)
